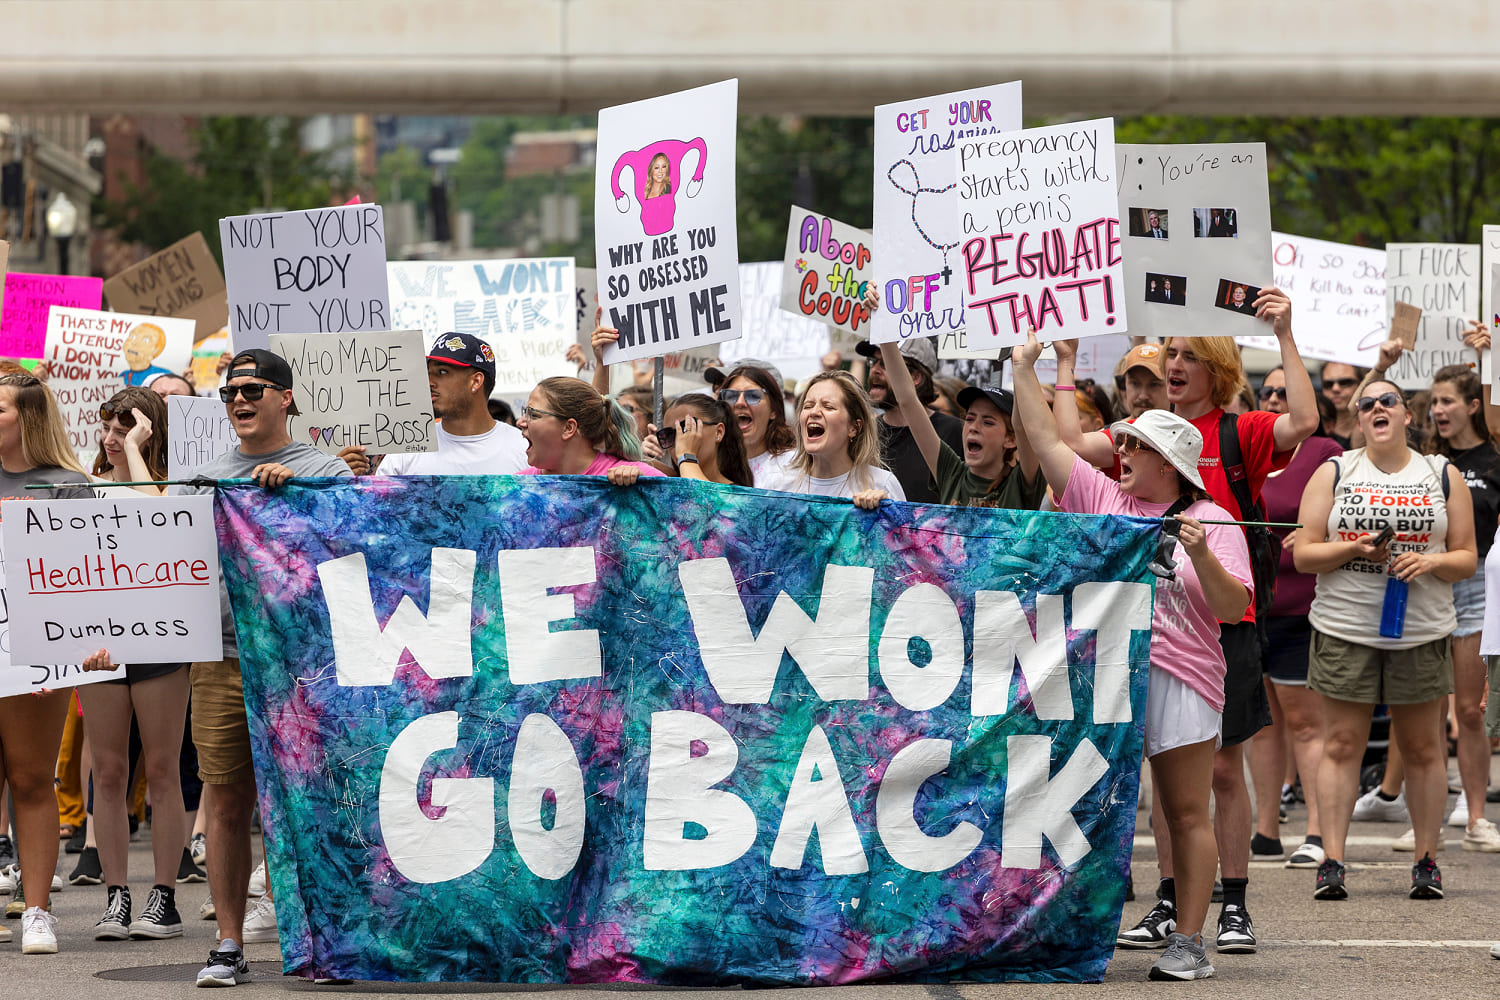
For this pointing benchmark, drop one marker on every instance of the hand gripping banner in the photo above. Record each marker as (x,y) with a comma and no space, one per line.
(546,730)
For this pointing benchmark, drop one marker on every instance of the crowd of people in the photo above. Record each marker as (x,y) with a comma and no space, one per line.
(1269,649)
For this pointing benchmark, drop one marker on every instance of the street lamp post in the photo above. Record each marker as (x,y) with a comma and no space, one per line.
(62,223)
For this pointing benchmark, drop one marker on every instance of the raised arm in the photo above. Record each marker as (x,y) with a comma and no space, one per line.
(899,379)
(1478,337)
(1032,412)
(601,338)
(1301,417)
(1094,447)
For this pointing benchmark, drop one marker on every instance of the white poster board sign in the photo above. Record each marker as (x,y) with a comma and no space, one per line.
(916,216)
(198,431)
(367,389)
(1441,279)
(318,271)
(92,355)
(1489,308)
(826,271)
(138,577)
(1041,235)
(792,342)
(19,677)
(1197,230)
(664,222)
(1338,299)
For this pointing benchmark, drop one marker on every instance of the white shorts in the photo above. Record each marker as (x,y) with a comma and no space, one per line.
(1176,715)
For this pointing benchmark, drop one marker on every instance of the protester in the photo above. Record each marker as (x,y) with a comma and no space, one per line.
(1337,381)
(570,431)
(899,449)
(753,394)
(1160,478)
(838,446)
(704,442)
(1142,384)
(34,449)
(258,399)
(172,385)
(1363,651)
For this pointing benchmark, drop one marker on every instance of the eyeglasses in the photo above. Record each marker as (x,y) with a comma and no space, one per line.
(1266,392)
(752,397)
(1389,400)
(534,413)
(1340,383)
(251,392)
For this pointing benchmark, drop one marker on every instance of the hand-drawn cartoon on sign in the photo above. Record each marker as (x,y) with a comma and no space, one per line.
(664,222)
(1441,279)
(917,235)
(1172,284)
(182,280)
(1338,299)
(367,389)
(23,324)
(523,308)
(826,271)
(319,271)
(1041,234)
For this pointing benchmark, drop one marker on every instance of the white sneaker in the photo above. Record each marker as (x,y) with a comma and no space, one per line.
(38,932)
(8,879)
(258,881)
(1482,836)
(1307,856)
(1495,950)
(260,922)
(1408,842)
(1371,808)
(1459,817)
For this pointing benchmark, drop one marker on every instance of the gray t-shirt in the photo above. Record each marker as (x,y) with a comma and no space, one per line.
(302,459)
(13,485)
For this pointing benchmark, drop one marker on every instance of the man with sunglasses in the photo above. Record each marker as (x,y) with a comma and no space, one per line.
(898,449)
(1337,381)
(258,398)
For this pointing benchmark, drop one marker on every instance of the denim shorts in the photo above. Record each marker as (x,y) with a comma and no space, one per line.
(1468,603)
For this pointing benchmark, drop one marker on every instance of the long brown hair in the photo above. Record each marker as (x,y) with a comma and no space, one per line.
(576,400)
(44,436)
(779,434)
(1470,389)
(155,409)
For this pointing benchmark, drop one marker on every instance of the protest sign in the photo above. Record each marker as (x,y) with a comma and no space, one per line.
(1041,234)
(523,308)
(792,342)
(1338,299)
(318,271)
(1405,320)
(182,280)
(1197,246)
(1441,279)
(137,576)
(19,677)
(93,355)
(198,431)
(28,297)
(1489,307)
(367,389)
(826,271)
(664,222)
(207,353)
(916,217)
(923,784)
(953,345)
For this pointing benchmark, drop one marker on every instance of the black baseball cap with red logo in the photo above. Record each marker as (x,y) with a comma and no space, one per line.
(464,350)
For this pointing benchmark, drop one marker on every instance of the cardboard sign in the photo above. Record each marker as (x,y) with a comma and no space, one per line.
(92,355)
(367,389)
(318,271)
(916,215)
(525,309)
(826,271)
(182,280)
(1442,279)
(1197,221)
(198,431)
(664,222)
(138,577)
(23,323)
(1041,237)
(1404,323)
(1338,299)
(792,342)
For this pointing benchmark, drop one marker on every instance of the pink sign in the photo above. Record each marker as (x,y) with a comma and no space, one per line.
(23,321)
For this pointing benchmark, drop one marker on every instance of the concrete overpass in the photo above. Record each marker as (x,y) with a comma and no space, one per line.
(1077,57)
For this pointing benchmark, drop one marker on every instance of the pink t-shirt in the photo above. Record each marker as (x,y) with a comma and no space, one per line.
(1184,632)
(601,464)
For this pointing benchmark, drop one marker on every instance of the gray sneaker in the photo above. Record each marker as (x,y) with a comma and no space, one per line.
(1185,958)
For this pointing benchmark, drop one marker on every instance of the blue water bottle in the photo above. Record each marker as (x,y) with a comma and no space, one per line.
(1393,613)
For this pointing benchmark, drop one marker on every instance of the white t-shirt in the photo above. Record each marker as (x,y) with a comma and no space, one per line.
(794,481)
(499,451)
(766,465)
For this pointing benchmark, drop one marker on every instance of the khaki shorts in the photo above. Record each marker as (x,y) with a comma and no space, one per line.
(1350,671)
(220,730)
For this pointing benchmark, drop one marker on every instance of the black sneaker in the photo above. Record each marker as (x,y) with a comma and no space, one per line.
(1426,880)
(187,871)
(115,924)
(1236,933)
(1330,881)
(159,918)
(1152,931)
(75,842)
(88,870)
(1263,848)
(7,851)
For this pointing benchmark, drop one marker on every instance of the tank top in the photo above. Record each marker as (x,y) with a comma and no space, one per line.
(1412,502)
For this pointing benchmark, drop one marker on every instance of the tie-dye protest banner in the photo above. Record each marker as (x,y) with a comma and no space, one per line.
(551,731)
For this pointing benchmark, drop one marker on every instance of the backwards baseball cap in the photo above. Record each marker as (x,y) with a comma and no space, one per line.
(464,350)
(1148,356)
(1002,398)
(922,350)
(257,363)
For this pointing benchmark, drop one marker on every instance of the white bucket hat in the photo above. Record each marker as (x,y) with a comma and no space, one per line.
(1170,436)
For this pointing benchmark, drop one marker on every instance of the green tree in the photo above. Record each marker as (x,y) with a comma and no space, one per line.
(401,175)
(825,164)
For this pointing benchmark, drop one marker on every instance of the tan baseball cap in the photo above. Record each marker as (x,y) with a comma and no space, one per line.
(1151,357)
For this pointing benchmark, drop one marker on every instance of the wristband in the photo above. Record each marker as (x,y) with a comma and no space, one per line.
(687,457)
(1065,388)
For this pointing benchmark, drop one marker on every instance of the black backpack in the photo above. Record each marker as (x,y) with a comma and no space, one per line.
(1264,545)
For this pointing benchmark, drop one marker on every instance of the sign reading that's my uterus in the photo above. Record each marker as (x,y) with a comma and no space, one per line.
(664,222)
(917,236)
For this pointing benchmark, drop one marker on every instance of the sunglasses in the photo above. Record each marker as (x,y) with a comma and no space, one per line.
(1266,392)
(108,411)
(1130,445)
(251,392)
(752,397)
(1340,383)
(1389,400)
(667,438)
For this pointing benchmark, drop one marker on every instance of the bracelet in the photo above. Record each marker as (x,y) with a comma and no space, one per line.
(1065,388)
(687,457)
